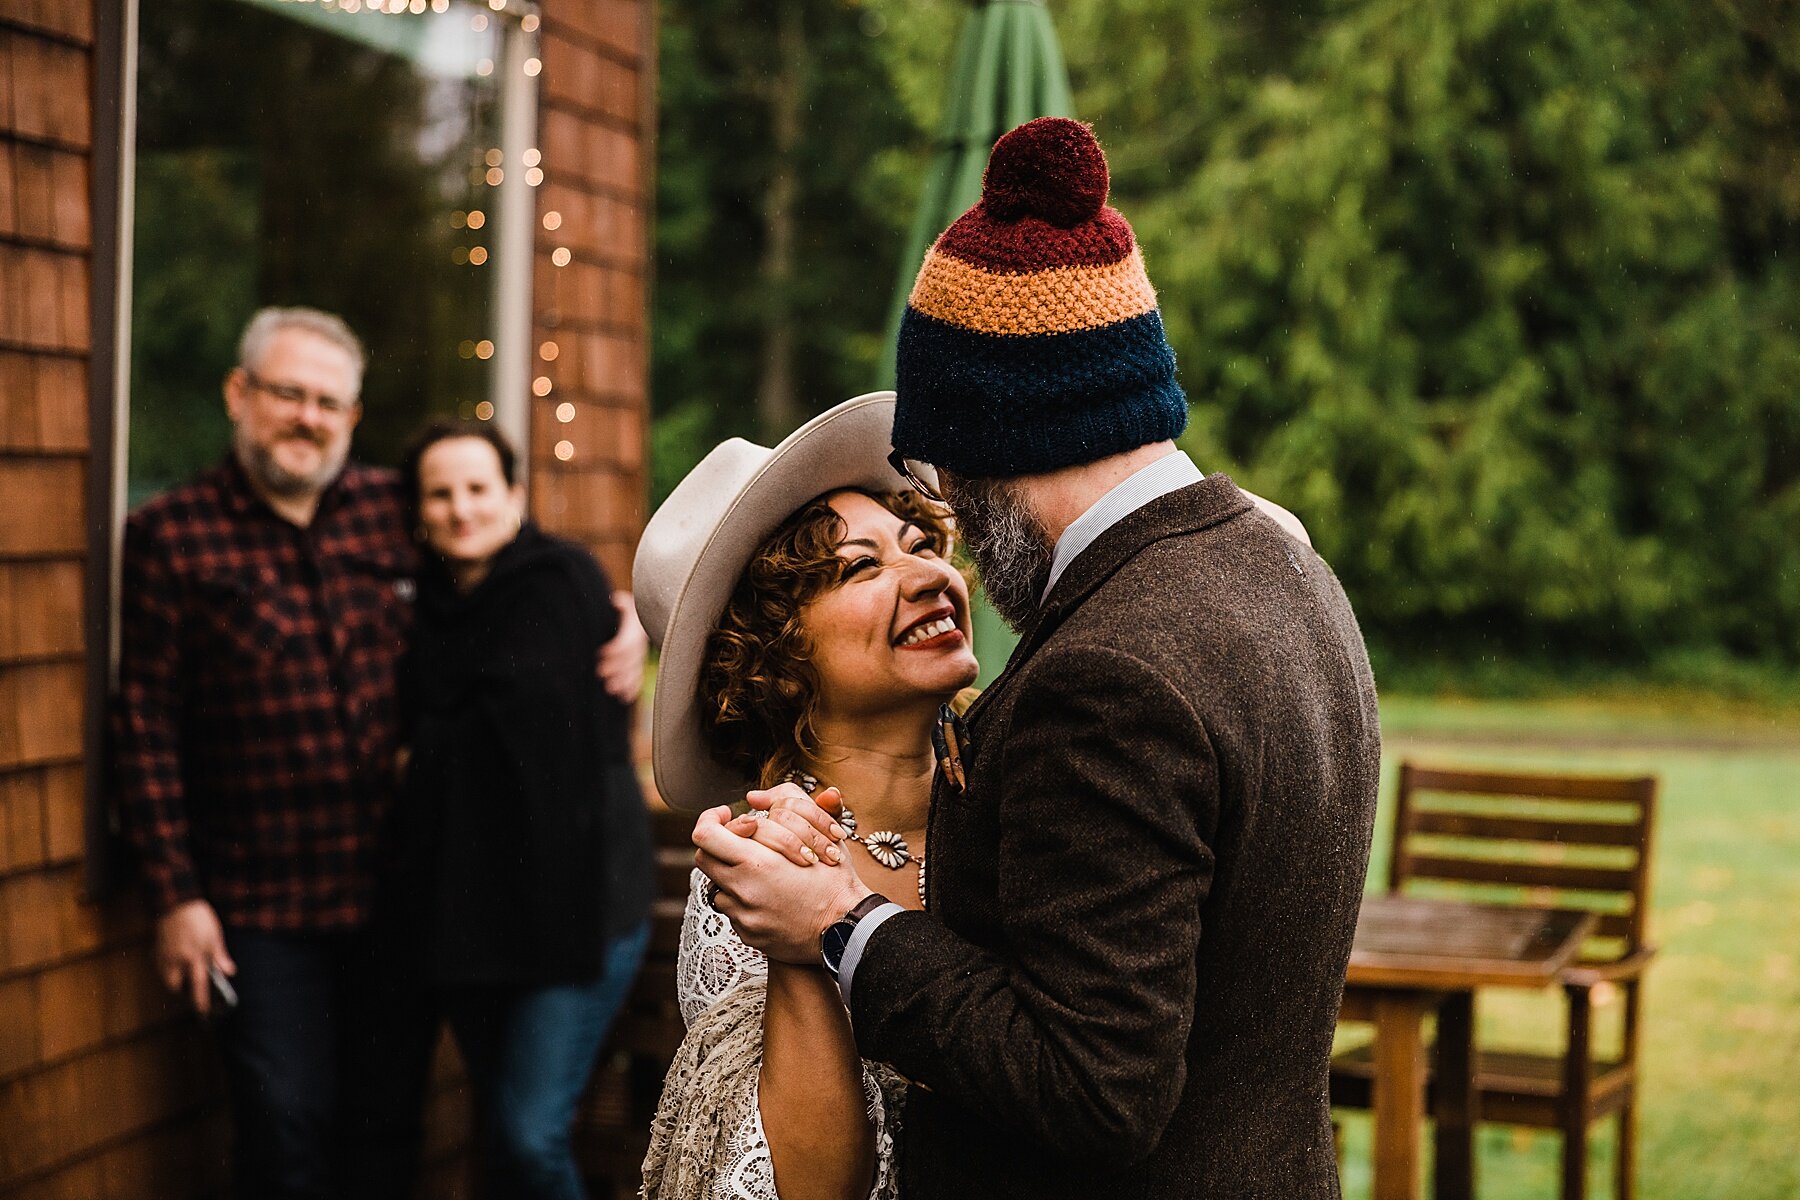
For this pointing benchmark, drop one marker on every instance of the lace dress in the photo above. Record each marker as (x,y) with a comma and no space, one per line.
(707,1140)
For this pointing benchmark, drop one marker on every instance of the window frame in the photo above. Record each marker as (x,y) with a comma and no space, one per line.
(112,200)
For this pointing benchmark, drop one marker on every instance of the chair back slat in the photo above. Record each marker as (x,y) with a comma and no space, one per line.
(1526,829)
(1557,787)
(1514,873)
(1502,837)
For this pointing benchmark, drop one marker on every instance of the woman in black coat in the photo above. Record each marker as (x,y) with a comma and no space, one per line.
(524,838)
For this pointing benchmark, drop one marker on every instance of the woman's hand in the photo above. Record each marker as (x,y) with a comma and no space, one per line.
(790,823)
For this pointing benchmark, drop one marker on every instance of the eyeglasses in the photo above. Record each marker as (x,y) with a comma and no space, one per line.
(294,398)
(916,473)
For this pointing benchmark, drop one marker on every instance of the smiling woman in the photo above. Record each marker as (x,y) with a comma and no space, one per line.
(813,628)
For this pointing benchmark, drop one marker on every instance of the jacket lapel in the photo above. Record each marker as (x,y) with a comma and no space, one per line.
(1185,510)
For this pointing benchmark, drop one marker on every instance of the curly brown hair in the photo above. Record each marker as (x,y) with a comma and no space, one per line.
(758,692)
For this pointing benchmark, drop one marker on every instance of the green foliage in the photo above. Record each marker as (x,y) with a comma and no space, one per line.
(1499,296)
(714,303)
(1466,290)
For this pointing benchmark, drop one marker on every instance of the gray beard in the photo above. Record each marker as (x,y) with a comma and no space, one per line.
(1012,552)
(272,478)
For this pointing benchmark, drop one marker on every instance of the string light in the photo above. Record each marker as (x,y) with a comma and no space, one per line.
(565,412)
(565,450)
(560,256)
(493,176)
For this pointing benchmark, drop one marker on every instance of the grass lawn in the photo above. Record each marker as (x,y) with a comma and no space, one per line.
(1721,1061)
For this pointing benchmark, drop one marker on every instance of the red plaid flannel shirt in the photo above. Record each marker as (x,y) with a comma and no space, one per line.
(255,722)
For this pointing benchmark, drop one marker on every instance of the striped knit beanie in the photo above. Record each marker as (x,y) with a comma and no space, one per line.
(1031,340)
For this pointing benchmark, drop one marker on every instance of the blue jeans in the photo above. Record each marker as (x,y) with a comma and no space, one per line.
(326,1058)
(529,1052)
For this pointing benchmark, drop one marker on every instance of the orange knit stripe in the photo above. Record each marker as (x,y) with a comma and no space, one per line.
(1059,300)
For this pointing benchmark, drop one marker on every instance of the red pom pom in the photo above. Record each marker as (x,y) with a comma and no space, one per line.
(1050,168)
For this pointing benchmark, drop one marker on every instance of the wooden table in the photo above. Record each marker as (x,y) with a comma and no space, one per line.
(1413,957)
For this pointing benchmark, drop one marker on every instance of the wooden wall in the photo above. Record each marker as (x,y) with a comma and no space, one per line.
(596,127)
(107,1090)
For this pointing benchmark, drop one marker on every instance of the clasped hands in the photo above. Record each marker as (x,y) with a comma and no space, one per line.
(782,870)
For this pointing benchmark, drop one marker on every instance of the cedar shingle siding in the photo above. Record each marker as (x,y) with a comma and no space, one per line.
(107,1091)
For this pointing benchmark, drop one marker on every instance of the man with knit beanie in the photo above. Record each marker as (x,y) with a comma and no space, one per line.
(1144,881)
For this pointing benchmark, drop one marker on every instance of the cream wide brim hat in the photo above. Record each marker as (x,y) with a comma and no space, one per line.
(695,549)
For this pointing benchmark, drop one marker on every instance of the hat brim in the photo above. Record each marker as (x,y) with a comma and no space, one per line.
(843,447)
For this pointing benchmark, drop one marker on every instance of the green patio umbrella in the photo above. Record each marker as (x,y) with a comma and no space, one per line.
(1008,69)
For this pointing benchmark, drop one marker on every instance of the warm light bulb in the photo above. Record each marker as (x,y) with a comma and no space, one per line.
(552,220)
(485,67)
(494,157)
(484,349)
(478,255)
(479,22)
(541,386)
(494,176)
(565,412)
(534,175)
(548,351)
(533,66)
(529,23)
(560,256)
(484,411)
(477,218)
(532,157)
(565,450)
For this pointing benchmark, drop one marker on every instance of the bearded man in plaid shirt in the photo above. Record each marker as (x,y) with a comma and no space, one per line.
(265,606)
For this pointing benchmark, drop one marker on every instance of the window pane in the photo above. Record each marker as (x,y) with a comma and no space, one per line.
(298,154)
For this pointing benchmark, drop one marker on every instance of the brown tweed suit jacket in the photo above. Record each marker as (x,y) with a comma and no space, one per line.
(1141,908)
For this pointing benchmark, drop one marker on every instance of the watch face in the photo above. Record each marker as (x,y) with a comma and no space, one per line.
(834,941)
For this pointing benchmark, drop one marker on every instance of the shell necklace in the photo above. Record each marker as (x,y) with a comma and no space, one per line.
(885,846)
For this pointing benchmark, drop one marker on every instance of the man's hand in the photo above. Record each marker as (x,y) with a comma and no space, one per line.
(775,905)
(621,665)
(189,939)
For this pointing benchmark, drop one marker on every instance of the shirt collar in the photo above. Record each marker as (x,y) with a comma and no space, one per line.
(1170,473)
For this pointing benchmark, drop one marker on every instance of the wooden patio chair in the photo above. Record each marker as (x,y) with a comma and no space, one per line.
(1571,842)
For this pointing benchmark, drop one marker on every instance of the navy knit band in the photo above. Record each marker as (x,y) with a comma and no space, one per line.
(992,406)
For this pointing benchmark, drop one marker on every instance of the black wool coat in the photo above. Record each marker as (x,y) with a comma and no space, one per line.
(1141,908)
(522,840)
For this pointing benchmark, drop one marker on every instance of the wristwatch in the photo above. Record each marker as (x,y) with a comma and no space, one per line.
(836,938)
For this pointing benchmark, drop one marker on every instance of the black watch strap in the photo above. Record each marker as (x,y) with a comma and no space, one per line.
(836,938)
